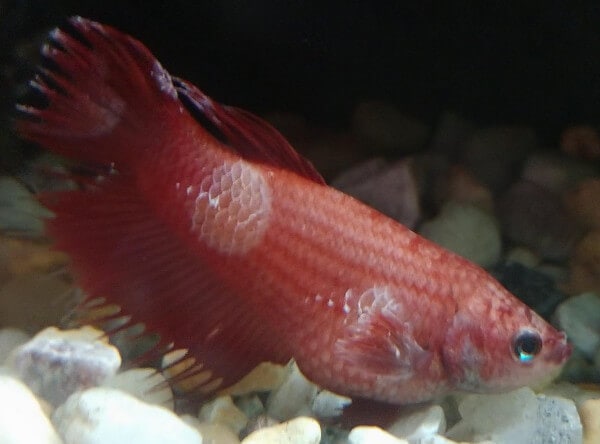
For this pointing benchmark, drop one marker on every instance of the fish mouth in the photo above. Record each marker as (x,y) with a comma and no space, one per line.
(560,349)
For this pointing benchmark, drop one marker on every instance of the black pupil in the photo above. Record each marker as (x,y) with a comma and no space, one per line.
(528,343)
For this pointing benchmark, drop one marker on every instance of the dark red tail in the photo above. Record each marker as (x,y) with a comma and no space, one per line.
(107,96)
(109,103)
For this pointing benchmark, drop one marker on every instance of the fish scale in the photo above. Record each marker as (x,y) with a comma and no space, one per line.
(212,231)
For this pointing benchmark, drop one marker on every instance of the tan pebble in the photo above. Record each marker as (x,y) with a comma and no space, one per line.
(216,434)
(577,393)
(33,301)
(372,434)
(523,256)
(212,433)
(460,185)
(21,256)
(293,397)
(86,333)
(590,386)
(263,378)
(222,410)
(585,265)
(590,419)
(420,424)
(10,338)
(301,430)
(583,202)
(146,384)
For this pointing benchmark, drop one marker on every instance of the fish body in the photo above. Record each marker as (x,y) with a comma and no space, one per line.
(216,234)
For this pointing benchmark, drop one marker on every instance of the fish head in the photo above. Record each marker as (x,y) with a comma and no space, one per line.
(496,343)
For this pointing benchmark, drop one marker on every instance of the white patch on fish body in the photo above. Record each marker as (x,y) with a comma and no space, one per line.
(378,343)
(233,208)
(163,80)
(362,303)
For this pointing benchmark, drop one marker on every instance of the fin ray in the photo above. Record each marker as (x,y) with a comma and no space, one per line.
(103,94)
(248,135)
(122,253)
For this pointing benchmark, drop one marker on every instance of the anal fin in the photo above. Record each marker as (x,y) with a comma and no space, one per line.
(121,252)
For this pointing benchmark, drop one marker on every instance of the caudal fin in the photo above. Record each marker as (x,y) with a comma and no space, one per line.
(107,96)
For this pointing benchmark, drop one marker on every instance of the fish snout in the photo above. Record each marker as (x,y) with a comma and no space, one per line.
(560,349)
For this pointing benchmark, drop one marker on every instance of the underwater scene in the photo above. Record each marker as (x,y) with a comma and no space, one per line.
(260,223)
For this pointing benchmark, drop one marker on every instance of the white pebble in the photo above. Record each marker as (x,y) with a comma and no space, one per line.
(329,405)
(22,420)
(301,430)
(420,425)
(293,397)
(222,410)
(146,384)
(102,415)
(517,417)
(55,364)
(372,434)
(265,377)
(10,338)
(523,256)
(466,230)
(590,417)
(557,420)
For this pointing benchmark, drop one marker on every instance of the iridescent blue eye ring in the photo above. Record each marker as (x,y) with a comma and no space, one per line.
(526,345)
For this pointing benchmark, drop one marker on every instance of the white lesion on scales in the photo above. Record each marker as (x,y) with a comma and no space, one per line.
(232,209)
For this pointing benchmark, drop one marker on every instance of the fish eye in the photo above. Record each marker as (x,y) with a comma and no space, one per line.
(526,345)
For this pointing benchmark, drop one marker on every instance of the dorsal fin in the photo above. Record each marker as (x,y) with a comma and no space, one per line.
(248,135)
(106,91)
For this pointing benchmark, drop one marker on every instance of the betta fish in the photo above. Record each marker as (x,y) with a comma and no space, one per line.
(207,226)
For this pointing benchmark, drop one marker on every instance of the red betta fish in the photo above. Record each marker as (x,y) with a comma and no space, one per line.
(211,230)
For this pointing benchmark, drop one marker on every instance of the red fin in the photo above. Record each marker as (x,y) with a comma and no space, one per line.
(122,253)
(378,348)
(109,97)
(380,340)
(105,93)
(248,135)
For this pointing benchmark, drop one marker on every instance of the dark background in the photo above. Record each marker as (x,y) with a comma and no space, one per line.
(506,63)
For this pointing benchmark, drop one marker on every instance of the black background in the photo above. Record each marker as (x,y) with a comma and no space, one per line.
(511,62)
